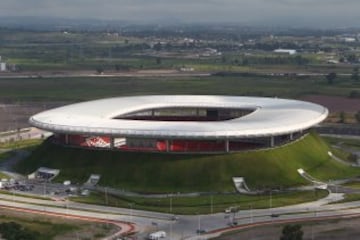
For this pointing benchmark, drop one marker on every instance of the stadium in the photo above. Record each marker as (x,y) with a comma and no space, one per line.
(180,123)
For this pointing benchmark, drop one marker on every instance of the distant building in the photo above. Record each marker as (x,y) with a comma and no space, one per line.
(287,51)
(332,61)
(2,66)
(186,69)
(349,39)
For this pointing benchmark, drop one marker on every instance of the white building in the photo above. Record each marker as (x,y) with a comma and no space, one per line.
(349,39)
(2,66)
(287,51)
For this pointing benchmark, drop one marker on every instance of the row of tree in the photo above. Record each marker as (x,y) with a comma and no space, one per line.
(14,231)
(354,76)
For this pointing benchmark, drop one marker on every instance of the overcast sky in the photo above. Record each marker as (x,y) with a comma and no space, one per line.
(337,13)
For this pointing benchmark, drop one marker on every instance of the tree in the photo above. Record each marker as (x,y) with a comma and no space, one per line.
(352,158)
(292,232)
(355,74)
(158,61)
(354,94)
(158,46)
(352,58)
(357,116)
(342,117)
(245,62)
(100,69)
(14,231)
(331,77)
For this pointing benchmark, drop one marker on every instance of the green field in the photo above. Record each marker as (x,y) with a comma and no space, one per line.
(47,228)
(204,204)
(77,89)
(29,143)
(344,142)
(156,172)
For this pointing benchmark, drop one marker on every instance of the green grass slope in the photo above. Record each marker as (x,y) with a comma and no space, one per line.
(154,172)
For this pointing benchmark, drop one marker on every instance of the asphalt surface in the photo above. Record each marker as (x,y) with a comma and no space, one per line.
(187,226)
(184,227)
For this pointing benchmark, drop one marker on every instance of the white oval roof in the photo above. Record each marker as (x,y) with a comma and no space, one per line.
(273,116)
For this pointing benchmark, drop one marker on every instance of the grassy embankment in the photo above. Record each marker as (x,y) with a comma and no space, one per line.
(203,204)
(154,172)
(6,149)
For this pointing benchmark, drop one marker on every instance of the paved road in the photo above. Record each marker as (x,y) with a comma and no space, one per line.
(24,133)
(186,226)
(89,74)
(140,73)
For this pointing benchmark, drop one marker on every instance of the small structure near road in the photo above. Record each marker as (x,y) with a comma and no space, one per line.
(318,184)
(157,235)
(93,180)
(285,51)
(242,187)
(44,174)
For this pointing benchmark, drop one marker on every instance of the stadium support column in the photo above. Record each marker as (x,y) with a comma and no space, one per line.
(291,136)
(272,141)
(227,149)
(167,142)
(67,139)
(112,142)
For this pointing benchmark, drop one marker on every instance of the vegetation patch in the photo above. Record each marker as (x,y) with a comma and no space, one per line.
(351,197)
(15,227)
(157,172)
(29,143)
(204,204)
(47,228)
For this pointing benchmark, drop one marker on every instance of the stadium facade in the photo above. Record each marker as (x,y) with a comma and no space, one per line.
(180,123)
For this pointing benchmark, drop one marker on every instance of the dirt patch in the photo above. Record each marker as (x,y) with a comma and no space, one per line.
(335,103)
(16,115)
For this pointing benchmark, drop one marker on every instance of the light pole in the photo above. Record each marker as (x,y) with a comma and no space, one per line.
(211,204)
(106,197)
(44,188)
(251,214)
(171,223)
(131,211)
(270,200)
(170,207)
(67,208)
(199,224)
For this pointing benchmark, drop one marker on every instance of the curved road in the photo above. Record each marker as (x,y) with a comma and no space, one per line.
(185,226)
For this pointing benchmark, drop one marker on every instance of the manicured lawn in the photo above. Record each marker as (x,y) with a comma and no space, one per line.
(154,172)
(204,204)
(29,143)
(350,198)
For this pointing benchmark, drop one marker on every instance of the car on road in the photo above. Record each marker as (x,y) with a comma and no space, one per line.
(201,231)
